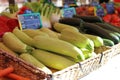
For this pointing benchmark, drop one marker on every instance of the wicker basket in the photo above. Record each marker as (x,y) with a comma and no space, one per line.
(83,68)
(21,67)
(106,55)
(70,73)
(116,49)
(90,64)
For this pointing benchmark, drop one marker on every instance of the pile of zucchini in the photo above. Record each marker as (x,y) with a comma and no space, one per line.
(96,26)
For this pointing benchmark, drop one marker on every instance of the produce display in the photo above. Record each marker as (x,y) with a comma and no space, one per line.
(13,67)
(60,43)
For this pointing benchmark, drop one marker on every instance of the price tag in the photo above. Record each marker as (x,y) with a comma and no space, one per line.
(70,2)
(68,12)
(94,3)
(30,21)
(99,11)
(110,8)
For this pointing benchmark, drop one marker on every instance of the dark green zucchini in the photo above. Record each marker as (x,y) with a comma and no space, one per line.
(117,34)
(108,27)
(113,33)
(118,27)
(71,21)
(108,42)
(92,28)
(91,19)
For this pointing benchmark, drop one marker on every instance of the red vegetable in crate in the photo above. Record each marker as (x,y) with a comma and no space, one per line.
(107,18)
(12,23)
(116,24)
(4,18)
(3,28)
(115,18)
(7,24)
(6,71)
(22,9)
(116,0)
(118,10)
(16,77)
(81,10)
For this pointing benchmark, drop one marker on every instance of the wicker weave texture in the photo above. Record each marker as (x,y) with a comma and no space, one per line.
(70,73)
(116,49)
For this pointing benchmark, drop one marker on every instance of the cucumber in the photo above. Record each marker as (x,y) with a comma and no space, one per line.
(91,19)
(92,28)
(108,26)
(108,42)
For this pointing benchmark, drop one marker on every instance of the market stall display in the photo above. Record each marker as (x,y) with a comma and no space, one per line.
(62,48)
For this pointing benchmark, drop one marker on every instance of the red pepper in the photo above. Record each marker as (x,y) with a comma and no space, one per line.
(4,18)
(118,9)
(115,18)
(12,23)
(116,0)
(22,9)
(3,28)
(107,18)
(21,12)
(116,24)
(7,24)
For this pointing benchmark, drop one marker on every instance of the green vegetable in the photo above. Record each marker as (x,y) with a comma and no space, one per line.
(92,28)
(108,42)
(52,60)
(32,60)
(15,44)
(59,27)
(98,41)
(77,39)
(23,37)
(108,27)
(58,46)
(91,19)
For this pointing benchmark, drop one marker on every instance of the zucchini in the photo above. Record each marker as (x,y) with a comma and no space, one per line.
(91,19)
(114,26)
(114,33)
(97,30)
(108,26)
(117,34)
(32,60)
(58,46)
(108,42)
(71,21)
(52,60)
(75,22)
(58,27)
